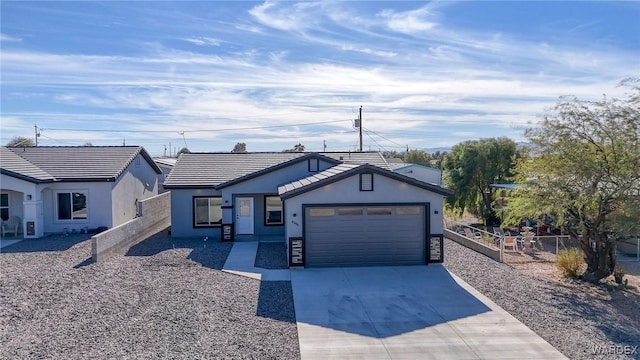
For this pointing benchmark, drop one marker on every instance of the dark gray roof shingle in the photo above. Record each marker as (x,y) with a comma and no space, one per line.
(82,163)
(209,170)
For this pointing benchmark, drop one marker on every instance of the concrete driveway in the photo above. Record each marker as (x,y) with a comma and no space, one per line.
(409,312)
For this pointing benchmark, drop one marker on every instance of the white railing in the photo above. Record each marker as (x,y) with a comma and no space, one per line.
(479,235)
(627,250)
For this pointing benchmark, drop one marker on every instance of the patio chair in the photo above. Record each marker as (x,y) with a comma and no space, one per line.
(12,225)
(510,242)
(498,235)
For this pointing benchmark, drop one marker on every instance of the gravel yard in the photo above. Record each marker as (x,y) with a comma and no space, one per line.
(572,316)
(271,255)
(165,299)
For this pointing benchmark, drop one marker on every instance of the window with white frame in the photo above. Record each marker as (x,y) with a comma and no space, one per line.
(207,211)
(273,210)
(72,205)
(4,207)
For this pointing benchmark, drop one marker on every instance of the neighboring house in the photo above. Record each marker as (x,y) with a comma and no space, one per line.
(420,172)
(58,189)
(332,209)
(165,164)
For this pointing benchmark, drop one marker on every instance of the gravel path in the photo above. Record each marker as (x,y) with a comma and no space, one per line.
(573,317)
(271,255)
(165,299)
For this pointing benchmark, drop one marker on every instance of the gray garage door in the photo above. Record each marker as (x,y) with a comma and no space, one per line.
(365,235)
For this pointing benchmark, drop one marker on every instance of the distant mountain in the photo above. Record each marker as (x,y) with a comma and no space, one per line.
(519,145)
(433,150)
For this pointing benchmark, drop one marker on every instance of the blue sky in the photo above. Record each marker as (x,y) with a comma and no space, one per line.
(273,74)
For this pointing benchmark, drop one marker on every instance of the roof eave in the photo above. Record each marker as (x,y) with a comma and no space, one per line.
(146,156)
(181,187)
(363,169)
(25,177)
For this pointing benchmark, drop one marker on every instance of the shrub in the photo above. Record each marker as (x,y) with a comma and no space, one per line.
(569,261)
(618,274)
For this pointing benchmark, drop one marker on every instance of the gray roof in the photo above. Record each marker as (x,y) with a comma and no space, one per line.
(13,165)
(315,178)
(76,163)
(344,171)
(217,170)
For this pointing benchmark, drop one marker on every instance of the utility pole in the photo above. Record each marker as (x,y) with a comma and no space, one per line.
(37,134)
(324,145)
(360,126)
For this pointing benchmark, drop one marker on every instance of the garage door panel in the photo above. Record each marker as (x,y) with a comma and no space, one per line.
(382,235)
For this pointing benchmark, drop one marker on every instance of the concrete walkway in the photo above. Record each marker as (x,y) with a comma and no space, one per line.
(410,312)
(241,262)
(4,242)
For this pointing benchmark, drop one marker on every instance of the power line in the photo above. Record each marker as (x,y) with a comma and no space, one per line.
(372,139)
(389,140)
(385,147)
(181,132)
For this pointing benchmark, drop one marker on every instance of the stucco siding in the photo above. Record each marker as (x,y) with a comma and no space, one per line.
(259,226)
(182,213)
(268,183)
(138,182)
(98,206)
(422,173)
(11,183)
(15,202)
(347,191)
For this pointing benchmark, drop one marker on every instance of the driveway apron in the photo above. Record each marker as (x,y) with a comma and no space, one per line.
(409,312)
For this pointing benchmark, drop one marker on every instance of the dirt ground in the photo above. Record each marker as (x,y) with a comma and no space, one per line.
(542,265)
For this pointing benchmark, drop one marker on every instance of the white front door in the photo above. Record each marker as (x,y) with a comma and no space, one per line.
(244,216)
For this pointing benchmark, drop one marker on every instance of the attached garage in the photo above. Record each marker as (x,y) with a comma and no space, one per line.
(365,235)
(362,215)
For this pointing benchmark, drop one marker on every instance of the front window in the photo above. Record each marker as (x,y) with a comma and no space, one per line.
(273,210)
(72,205)
(4,207)
(207,211)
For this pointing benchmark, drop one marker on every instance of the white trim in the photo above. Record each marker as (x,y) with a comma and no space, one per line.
(244,224)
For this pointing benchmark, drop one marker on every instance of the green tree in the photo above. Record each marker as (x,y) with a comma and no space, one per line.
(20,141)
(471,167)
(239,148)
(417,157)
(296,148)
(184,150)
(584,170)
(437,159)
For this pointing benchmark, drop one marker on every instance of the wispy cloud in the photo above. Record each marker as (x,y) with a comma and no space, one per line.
(8,38)
(420,79)
(410,22)
(202,41)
